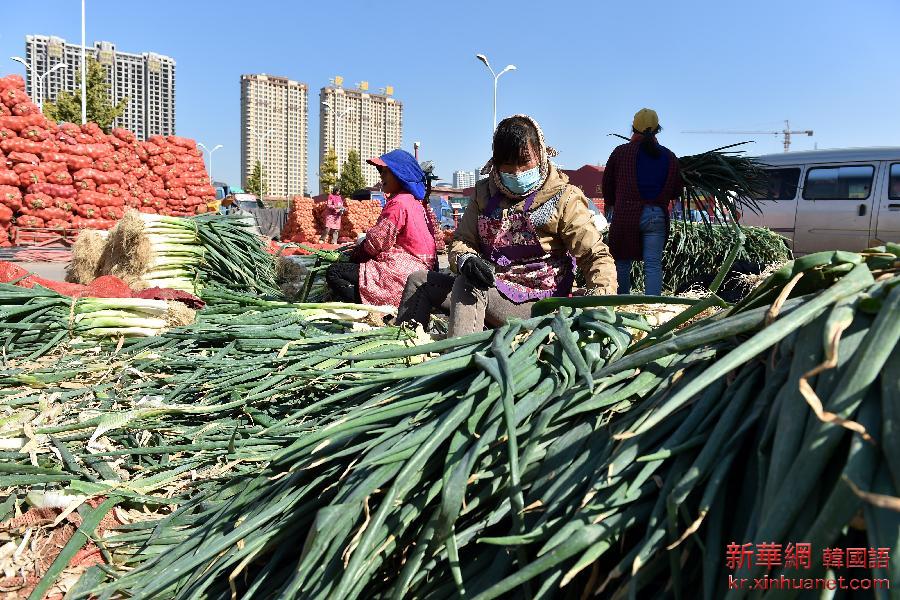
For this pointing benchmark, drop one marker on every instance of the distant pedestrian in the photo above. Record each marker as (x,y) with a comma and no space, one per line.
(640,180)
(334,211)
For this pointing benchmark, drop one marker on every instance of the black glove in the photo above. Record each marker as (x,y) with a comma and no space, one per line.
(357,254)
(478,272)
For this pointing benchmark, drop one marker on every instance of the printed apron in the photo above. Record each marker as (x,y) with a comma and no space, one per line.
(523,271)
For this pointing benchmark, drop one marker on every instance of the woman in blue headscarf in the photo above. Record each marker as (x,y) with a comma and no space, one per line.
(404,239)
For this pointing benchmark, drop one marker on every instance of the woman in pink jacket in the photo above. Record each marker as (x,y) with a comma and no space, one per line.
(404,239)
(334,210)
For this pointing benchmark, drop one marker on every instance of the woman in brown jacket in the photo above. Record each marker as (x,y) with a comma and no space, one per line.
(519,241)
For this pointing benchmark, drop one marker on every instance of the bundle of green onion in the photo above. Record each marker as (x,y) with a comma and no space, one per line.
(234,303)
(186,254)
(177,253)
(722,178)
(127,317)
(235,256)
(302,277)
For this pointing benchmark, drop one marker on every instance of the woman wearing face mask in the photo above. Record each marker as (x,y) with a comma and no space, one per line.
(640,180)
(518,241)
(401,242)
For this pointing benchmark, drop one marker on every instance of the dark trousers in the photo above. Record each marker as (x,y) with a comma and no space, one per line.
(343,281)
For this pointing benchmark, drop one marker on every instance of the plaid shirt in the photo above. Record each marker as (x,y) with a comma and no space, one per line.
(620,191)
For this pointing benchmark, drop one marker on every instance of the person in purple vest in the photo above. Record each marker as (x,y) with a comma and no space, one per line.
(519,240)
(640,181)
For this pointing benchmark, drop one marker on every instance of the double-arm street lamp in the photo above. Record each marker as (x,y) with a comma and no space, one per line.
(496,76)
(39,80)
(210,153)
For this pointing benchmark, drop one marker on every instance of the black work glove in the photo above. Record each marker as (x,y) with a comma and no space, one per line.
(478,272)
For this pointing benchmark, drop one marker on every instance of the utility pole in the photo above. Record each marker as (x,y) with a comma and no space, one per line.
(83,71)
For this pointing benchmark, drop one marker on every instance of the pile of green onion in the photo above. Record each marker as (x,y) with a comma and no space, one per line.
(553,457)
(695,252)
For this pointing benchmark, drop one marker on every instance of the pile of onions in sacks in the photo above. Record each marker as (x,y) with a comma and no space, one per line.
(72,177)
(306,220)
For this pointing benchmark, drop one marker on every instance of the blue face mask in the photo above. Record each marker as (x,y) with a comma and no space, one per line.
(523,182)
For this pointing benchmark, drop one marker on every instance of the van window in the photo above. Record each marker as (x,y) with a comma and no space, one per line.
(839,183)
(781,184)
(894,186)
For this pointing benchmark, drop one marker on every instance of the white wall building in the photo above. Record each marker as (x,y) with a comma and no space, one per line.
(464,179)
(147,80)
(275,132)
(371,124)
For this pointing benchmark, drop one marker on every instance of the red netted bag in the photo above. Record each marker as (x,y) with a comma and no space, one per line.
(111,212)
(11,196)
(76,162)
(52,214)
(30,221)
(38,201)
(66,204)
(53,189)
(23,158)
(58,225)
(88,211)
(33,132)
(8,177)
(60,177)
(31,177)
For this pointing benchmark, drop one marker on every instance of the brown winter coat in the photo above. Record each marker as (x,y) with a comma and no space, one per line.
(570,228)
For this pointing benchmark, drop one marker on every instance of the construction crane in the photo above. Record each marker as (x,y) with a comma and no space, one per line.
(786,132)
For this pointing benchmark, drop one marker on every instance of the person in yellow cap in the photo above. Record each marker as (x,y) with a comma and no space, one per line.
(640,181)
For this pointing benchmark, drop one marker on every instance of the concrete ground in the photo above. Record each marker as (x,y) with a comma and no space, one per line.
(48,270)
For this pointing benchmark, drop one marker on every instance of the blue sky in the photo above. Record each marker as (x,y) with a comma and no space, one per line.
(584,67)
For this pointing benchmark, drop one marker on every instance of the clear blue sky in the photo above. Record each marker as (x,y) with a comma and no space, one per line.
(584,67)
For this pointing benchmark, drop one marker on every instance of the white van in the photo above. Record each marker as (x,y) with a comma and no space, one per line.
(832,199)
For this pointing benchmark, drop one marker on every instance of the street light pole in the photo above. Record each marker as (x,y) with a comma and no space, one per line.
(83,71)
(210,152)
(38,91)
(496,77)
